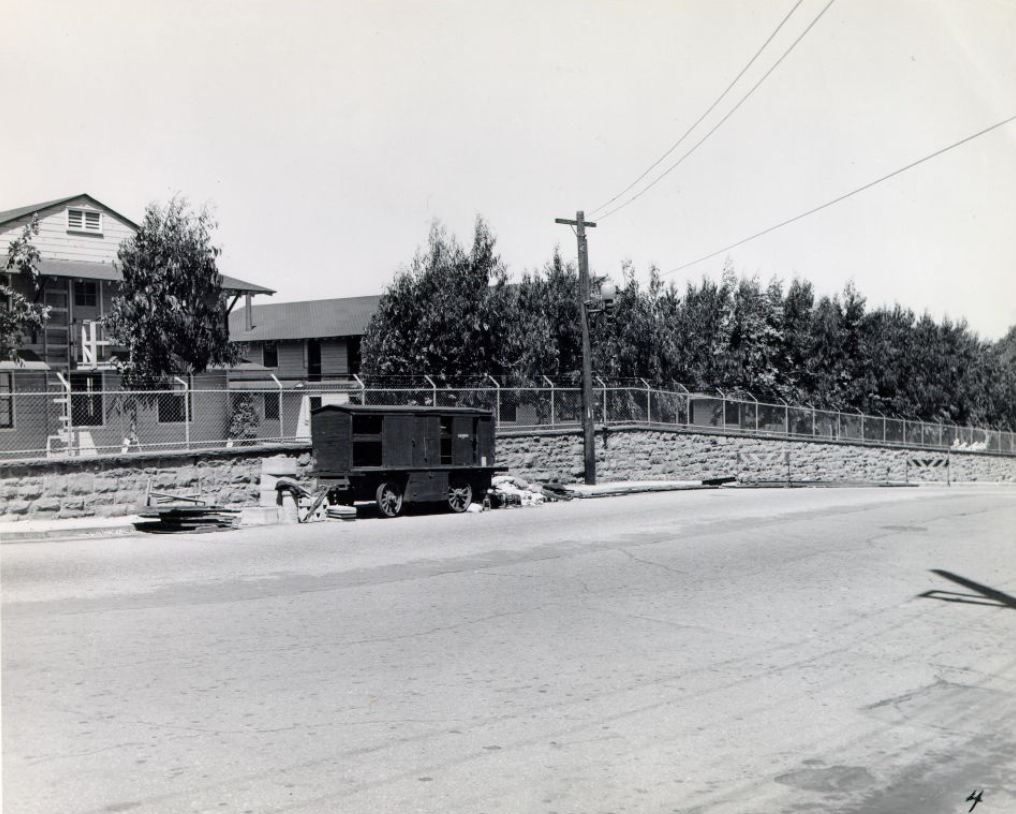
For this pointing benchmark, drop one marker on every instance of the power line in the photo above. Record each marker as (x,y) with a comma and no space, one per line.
(733,110)
(844,196)
(698,121)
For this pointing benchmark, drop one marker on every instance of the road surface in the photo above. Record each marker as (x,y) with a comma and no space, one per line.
(848,650)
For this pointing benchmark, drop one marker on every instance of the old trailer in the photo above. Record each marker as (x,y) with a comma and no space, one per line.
(399,455)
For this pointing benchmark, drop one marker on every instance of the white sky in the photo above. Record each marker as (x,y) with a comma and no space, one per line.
(328,135)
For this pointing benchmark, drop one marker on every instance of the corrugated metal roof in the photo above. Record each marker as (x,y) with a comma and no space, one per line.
(84,270)
(13,214)
(313,319)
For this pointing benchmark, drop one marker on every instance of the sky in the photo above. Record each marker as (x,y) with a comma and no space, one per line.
(329,136)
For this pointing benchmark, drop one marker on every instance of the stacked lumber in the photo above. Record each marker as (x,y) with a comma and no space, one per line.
(168,513)
(188,518)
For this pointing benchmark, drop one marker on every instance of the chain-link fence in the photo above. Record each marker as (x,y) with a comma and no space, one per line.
(60,421)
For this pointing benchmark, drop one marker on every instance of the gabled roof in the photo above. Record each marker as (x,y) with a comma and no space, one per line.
(105,271)
(313,319)
(83,270)
(13,214)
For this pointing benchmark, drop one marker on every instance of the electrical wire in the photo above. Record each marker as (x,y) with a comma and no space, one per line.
(716,127)
(698,121)
(843,197)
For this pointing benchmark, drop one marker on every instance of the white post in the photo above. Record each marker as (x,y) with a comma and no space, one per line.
(603,387)
(186,410)
(649,402)
(433,386)
(70,412)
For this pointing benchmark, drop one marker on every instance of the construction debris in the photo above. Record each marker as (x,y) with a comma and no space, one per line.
(309,506)
(509,490)
(168,513)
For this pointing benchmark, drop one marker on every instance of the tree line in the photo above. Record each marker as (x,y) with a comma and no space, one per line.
(454,313)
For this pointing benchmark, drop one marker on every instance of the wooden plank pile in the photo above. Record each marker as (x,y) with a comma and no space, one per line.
(167,514)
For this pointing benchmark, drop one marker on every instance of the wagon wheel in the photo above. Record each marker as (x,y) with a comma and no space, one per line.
(389,498)
(460,494)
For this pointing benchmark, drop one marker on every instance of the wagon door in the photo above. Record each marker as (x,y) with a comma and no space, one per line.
(427,441)
(398,440)
(485,441)
(464,449)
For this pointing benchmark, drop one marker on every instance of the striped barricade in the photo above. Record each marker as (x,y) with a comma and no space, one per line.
(929,462)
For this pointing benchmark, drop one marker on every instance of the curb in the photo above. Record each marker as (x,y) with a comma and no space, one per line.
(123,528)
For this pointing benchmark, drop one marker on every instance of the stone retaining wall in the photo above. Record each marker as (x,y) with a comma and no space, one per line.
(107,487)
(640,454)
(111,487)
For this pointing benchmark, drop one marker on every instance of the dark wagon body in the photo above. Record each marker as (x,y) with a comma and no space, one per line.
(403,454)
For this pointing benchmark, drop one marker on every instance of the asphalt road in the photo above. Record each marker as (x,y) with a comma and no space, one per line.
(725,651)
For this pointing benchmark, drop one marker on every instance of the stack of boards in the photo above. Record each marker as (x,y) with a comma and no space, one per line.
(341,513)
(190,518)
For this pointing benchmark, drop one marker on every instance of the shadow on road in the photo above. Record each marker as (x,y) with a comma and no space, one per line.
(983,594)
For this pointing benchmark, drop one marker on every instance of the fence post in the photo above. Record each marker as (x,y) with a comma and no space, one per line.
(363,388)
(497,401)
(548,381)
(433,388)
(756,409)
(723,408)
(69,426)
(687,407)
(186,410)
(649,402)
(282,416)
(603,387)
(786,417)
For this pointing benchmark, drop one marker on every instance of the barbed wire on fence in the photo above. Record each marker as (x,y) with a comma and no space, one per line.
(53,423)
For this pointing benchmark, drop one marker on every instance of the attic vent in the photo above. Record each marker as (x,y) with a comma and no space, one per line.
(84,220)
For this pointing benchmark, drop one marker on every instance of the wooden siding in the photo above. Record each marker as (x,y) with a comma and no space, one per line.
(293,358)
(334,360)
(55,242)
(292,361)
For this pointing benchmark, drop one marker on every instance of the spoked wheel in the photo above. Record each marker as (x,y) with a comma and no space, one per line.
(389,499)
(460,494)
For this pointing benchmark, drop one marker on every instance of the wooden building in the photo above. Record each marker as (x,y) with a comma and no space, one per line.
(78,241)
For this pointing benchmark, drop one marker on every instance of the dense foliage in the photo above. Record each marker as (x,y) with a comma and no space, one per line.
(20,316)
(170,313)
(452,313)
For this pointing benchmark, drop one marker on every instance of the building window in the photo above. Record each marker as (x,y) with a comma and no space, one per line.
(84,220)
(175,408)
(313,360)
(270,354)
(86,399)
(86,293)
(271,406)
(6,401)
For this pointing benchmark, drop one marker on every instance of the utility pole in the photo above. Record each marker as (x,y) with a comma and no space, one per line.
(588,437)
